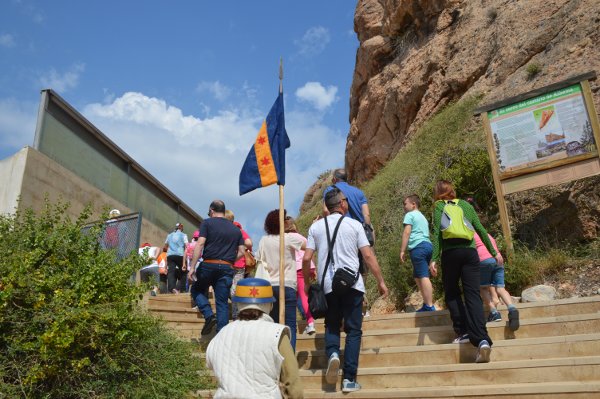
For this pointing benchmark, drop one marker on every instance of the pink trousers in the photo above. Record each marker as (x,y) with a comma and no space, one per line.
(303,298)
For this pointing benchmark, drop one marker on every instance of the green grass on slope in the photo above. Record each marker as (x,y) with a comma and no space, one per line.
(448,146)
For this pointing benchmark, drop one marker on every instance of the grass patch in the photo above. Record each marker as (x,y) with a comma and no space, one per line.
(449,146)
(452,146)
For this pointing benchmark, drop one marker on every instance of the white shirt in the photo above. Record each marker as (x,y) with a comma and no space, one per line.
(268,251)
(350,238)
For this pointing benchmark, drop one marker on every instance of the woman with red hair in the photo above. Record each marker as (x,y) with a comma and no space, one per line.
(268,251)
(460,263)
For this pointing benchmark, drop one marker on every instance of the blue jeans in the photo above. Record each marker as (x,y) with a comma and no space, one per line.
(348,308)
(290,311)
(220,277)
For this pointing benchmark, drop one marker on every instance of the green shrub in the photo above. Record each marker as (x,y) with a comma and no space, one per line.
(532,69)
(448,146)
(70,324)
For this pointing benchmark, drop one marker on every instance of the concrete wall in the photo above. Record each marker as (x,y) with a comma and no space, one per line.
(43,175)
(11,179)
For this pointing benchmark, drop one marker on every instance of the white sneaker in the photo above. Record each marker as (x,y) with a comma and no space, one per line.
(350,386)
(333,366)
(367,314)
(483,352)
(310,329)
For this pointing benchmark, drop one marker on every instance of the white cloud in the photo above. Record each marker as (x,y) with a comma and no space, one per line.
(217,89)
(7,40)
(313,42)
(62,82)
(17,124)
(318,96)
(199,158)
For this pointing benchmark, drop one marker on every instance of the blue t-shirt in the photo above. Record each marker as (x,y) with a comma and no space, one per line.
(420,228)
(222,239)
(177,241)
(356,199)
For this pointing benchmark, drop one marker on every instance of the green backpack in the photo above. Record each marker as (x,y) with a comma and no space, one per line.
(454,224)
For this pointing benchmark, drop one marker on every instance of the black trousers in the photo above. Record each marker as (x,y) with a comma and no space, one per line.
(462,264)
(175,275)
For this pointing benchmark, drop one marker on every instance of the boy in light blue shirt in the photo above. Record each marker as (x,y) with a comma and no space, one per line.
(415,237)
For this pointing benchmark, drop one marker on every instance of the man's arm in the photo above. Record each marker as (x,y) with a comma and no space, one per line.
(240,252)
(371,261)
(197,252)
(308,254)
(367,217)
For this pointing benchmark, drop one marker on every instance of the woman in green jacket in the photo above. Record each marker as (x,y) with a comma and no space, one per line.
(460,262)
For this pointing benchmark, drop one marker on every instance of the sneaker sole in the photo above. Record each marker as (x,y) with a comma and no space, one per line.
(348,390)
(207,329)
(333,367)
(513,322)
(484,355)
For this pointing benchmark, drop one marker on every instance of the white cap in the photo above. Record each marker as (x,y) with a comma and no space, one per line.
(114,213)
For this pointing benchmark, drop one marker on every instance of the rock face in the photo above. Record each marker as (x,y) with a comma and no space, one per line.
(416,56)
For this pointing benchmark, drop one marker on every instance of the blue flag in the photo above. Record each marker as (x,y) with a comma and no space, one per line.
(265,163)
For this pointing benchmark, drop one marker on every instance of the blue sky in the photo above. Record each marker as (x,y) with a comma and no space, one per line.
(184,86)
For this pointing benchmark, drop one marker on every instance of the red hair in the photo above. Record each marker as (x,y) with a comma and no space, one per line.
(272,222)
(443,190)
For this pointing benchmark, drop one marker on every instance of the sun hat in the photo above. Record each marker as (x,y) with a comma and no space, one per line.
(254,293)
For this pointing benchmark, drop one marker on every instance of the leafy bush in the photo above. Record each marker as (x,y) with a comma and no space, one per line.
(448,146)
(70,324)
(533,69)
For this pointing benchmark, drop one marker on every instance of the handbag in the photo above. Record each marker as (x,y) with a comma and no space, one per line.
(317,302)
(343,280)
(369,233)
(262,270)
(249,258)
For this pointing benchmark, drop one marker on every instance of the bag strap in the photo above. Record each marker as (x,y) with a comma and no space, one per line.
(330,244)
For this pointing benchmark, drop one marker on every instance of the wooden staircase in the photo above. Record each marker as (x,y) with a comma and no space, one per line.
(554,354)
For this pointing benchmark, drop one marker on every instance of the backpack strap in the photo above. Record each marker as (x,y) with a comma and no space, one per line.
(330,244)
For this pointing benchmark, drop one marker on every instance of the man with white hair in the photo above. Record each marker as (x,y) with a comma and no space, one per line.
(253,357)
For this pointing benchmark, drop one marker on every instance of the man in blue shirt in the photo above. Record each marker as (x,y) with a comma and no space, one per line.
(358,208)
(177,242)
(220,244)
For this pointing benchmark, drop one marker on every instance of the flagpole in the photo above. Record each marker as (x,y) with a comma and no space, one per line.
(281,230)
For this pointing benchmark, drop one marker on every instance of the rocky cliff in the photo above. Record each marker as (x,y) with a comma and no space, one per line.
(417,56)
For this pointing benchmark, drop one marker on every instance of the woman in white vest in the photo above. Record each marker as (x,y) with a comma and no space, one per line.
(252,357)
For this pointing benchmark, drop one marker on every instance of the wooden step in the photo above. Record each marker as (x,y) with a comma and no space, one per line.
(568,390)
(509,372)
(536,390)
(540,327)
(428,319)
(504,350)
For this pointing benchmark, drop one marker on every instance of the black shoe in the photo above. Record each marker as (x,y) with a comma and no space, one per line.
(209,324)
(513,319)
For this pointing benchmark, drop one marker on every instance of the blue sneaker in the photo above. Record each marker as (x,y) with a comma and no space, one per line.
(494,316)
(426,308)
(333,367)
(350,386)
